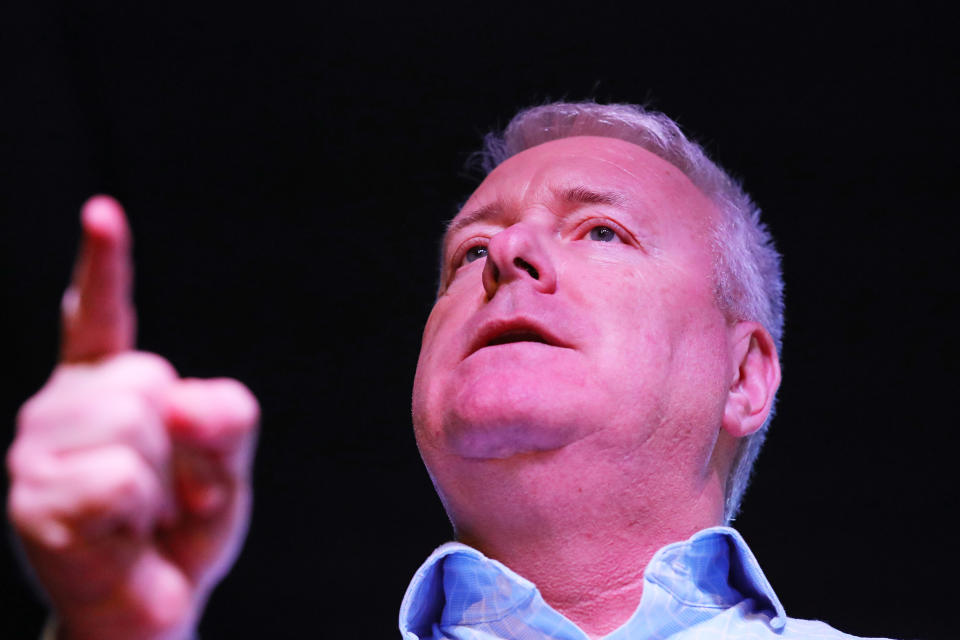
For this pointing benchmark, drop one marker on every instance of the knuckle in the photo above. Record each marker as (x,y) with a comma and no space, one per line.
(126,470)
(243,405)
(81,418)
(107,484)
(82,490)
(145,368)
(35,521)
(20,508)
(133,420)
(215,412)
(19,459)
(122,488)
(129,413)
(31,412)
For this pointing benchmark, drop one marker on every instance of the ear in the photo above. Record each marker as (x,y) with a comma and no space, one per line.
(755,377)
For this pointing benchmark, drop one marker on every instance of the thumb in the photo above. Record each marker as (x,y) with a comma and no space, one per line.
(212,424)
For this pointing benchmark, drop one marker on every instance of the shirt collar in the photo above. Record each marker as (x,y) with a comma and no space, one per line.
(459,585)
(715,568)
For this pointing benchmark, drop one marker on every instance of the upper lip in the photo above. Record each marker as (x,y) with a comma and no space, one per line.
(501,331)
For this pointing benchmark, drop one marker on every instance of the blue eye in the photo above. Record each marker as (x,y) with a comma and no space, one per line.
(475,253)
(603,234)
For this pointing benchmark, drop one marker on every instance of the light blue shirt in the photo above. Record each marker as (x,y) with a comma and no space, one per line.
(707,588)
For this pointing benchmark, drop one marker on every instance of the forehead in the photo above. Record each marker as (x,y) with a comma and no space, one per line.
(646,184)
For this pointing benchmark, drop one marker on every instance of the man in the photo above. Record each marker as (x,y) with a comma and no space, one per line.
(594,382)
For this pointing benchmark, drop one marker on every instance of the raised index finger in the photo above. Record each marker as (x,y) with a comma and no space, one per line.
(98,314)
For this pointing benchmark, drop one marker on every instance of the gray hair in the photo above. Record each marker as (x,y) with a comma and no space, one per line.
(747,266)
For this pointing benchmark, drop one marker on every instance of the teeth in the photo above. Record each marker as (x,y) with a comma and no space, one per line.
(516,336)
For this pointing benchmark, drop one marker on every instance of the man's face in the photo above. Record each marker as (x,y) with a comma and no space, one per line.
(577,309)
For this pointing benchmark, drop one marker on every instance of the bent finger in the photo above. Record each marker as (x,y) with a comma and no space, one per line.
(218,415)
(88,494)
(213,426)
(97,310)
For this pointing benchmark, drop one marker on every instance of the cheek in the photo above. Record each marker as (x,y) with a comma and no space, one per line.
(439,349)
(657,320)
(600,285)
(427,362)
(441,325)
(629,302)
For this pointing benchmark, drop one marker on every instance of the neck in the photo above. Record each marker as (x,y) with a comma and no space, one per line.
(585,543)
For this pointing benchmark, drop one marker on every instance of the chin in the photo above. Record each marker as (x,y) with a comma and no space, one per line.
(496,421)
(503,441)
(507,400)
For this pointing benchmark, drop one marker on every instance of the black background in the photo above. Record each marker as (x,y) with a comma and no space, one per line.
(287,170)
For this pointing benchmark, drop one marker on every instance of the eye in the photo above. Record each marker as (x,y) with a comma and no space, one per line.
(475,252)
(603,233)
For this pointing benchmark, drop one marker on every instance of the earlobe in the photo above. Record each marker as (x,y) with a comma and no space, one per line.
(755,377)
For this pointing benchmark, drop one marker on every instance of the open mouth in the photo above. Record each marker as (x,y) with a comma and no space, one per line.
(500,332)
(516,335)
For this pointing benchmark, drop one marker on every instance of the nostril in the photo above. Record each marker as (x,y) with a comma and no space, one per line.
(520,263)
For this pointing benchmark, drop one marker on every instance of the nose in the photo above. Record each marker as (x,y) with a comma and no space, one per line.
(517,253)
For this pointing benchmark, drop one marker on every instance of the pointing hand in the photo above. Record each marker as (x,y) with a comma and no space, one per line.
(129,486)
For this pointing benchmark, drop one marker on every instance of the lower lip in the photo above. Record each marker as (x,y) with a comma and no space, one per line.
(534,358)
(519,346)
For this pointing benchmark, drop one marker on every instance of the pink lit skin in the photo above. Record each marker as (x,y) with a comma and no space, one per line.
(129,485)
(573,461)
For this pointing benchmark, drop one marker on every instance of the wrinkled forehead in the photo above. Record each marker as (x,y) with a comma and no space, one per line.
(644,184)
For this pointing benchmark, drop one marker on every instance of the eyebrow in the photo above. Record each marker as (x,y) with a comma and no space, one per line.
(576,194)
(485,212)
(585,195)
